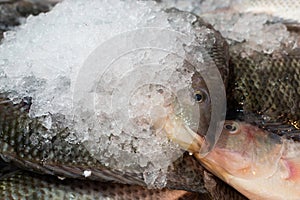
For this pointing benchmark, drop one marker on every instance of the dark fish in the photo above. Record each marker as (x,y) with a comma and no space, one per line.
(61,158)
(19,184)
(24,185)
(54,158)
(264,90)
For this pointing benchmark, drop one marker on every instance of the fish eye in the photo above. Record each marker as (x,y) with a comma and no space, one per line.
(232,128)
(199,96)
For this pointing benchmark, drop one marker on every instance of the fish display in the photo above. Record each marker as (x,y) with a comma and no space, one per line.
(24,144)
(262,89)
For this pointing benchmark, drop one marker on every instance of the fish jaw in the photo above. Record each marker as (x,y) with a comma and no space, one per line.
(178,132)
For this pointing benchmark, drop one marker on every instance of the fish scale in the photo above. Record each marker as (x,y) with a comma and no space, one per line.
(24,185)
(54,157)
(23,143)
(186,173)
(42,153)
(266,88)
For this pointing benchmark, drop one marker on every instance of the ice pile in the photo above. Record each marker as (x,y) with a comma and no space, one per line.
(113,70)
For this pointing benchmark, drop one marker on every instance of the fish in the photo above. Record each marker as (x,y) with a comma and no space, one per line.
(258,163)
(12,177)
(37,186)
(52,159)
(264,90)
(185,174)
(61,158)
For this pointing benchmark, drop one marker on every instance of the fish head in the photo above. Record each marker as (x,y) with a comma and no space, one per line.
(244,151)
(193,117)
(201,97)
(189,115)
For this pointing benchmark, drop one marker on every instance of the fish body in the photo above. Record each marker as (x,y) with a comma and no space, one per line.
(186,173)
(24,141)
(35,186)
(264,89)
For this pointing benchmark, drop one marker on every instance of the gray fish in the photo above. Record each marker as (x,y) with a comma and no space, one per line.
(62,158)
(265,90)
(24,185)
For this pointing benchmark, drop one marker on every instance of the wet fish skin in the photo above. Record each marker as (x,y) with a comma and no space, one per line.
(260,164)
(54,158)
(264,90)
(17,129)
(57,157)
(216,188)
(185,174)
(12,11)
(61,158)
(215,53)
(25,185)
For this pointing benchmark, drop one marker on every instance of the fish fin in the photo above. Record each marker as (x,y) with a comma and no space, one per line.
(6,169)
(281,128)
(288,131)
(293,166)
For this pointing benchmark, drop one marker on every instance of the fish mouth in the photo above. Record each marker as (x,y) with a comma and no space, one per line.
(189,140)
(178,132)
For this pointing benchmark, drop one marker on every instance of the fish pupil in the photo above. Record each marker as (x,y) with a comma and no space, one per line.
(198,97)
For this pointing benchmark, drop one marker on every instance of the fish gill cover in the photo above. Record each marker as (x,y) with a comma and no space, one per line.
(93,66)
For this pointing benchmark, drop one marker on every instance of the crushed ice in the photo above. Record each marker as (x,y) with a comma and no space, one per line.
(43,57)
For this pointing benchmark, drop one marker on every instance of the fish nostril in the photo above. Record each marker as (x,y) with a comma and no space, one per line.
(230,127)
